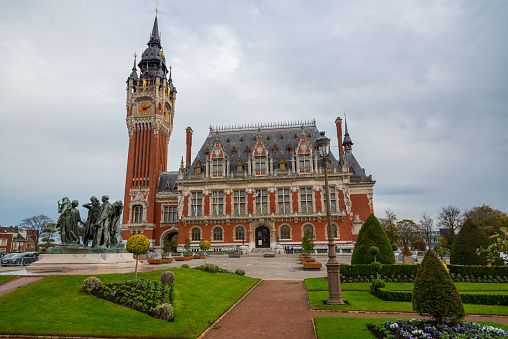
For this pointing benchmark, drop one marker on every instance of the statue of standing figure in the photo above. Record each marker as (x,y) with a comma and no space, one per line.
(116,236)
(102,226)
(94,213)
(68,233)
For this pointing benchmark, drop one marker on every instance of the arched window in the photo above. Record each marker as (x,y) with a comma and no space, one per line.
(138,213)
(308,228)
(240,233)
(285,232)
(217,234)
(196,234)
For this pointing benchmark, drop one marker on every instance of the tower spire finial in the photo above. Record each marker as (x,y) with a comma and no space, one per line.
(348,143)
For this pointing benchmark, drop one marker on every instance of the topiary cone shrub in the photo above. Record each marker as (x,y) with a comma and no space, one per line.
(137,244)
(469,238)
(372,234)
(434,292)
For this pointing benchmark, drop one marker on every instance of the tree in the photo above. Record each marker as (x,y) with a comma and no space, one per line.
(205,246)
(374,251)
(48,234)
(166,245)
(174,243)
(35,225)
(426,224)
(469,238)
(187,247)
(450,218)
(389,223)
(409,231)
(308,243)
(434,292)
(137,244)
(372,234)
(499,245)
(441,251)
(489,220)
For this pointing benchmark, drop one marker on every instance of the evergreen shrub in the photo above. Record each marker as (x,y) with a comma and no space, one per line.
(185,266)
(372,234)
(240,271)
(90,284)
(164,312)
(168,278)
(209,268)
(469,238)
(434,292)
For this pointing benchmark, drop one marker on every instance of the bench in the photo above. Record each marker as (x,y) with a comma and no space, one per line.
(312,266)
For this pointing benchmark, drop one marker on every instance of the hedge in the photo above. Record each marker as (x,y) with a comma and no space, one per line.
(467,298)
(411,269)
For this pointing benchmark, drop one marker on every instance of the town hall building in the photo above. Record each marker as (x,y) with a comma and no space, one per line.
(260,186)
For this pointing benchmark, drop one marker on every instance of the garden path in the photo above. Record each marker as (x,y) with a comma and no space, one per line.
(13,284)
(279,309)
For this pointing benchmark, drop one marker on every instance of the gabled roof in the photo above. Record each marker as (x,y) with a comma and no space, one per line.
(240,139)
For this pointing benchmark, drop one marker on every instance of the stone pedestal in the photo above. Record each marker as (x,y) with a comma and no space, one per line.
(81,260)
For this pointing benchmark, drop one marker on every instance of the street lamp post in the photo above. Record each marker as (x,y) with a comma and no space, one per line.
(332,266)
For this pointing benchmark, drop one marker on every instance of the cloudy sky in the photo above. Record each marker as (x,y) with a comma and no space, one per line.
(423,84)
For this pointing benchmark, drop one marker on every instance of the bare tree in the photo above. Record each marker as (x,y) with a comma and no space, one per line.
(409,231)
(389,223)
(450,218)
(35,226)
(426,224)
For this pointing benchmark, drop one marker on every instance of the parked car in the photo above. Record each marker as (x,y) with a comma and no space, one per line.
(19,259)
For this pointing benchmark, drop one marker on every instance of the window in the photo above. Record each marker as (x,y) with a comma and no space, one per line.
(3,242)
(30,245)
(260,163)
(138,213)
(170,213)
(239,202)
(306,199)
(239,166)
(304,161)
(333,201)
(197,204)
(308,228)
(262,202)
(217,234)
(335,234)
(218,202)
(217,165)
(283,200)
(282,164)
(198,167)
(233,151)
(285,232)
(240,233)
(196,234)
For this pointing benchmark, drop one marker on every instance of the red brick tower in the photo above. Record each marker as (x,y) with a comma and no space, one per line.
(150,110)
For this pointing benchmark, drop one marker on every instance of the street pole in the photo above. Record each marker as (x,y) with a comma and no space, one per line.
(332,266)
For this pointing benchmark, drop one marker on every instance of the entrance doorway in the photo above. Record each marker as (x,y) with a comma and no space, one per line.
(262,237)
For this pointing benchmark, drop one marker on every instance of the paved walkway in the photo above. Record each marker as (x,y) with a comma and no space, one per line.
(13,284)
(279,309)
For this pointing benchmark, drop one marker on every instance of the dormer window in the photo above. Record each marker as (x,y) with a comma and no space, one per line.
(304,161)
(274,149)
(288,148)
(282,164)
(167,187)
(217,165)
(197,168)
(239,166)
(260,163)
(233,151)
(207,152)
(247,150)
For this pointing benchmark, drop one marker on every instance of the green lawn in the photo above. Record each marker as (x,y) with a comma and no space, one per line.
(6,278)
(55,305)
(356,328)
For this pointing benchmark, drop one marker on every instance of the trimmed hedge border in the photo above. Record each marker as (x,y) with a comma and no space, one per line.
(467,298)
(395,270)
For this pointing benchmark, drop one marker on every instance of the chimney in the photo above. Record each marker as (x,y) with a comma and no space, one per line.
(338,123)
(189,145)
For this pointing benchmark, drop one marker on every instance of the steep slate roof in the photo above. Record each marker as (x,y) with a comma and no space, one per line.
(165,178)
(271,137)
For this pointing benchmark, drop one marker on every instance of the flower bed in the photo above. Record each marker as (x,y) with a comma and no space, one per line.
(141,295)
(426,328)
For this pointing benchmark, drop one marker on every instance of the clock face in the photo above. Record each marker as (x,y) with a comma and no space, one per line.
(144,108)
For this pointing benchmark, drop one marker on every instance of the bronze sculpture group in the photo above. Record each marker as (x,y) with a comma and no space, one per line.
(102,226)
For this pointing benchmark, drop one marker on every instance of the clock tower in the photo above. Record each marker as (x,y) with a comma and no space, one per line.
(150,110)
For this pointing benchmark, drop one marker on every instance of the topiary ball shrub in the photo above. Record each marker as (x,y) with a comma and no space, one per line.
(434,292)
(240,271)
(209,268)
(376,284)
(185,266)
(138,244)
(469,238)
(90,284)
(168,278)
(372,234)
(164,312)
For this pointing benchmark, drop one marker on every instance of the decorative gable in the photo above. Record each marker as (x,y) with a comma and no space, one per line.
(218,149)
(303,144)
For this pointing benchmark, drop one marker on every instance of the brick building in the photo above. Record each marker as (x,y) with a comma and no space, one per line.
(12,239)
(257,185)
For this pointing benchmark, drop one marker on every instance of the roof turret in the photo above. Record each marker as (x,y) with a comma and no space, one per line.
(153,61)
(348,143)
(134,73)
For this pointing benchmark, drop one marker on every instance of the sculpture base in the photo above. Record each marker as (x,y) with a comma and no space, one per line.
(84,250)
(83,263)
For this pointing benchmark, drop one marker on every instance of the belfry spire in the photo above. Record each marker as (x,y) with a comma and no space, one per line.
(348,143)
